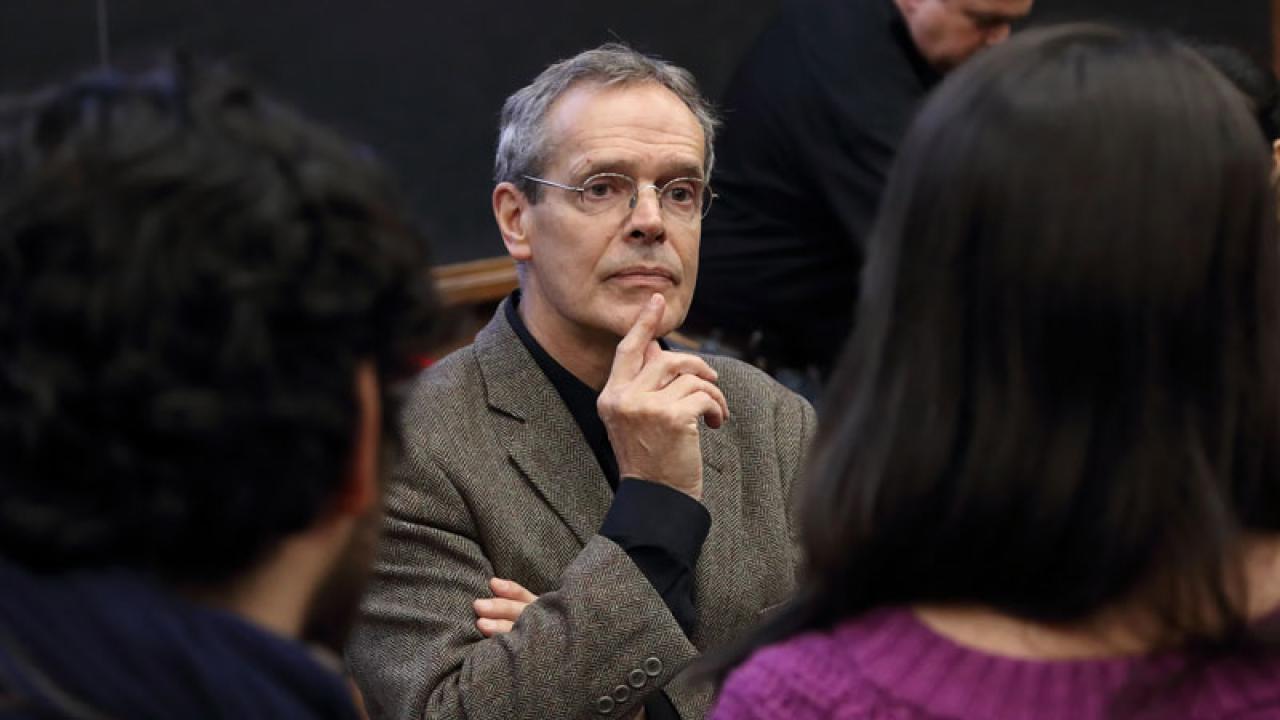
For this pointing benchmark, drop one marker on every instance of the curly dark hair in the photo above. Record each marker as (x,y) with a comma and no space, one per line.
(190,275)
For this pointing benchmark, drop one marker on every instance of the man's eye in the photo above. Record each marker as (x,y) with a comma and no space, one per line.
(682,194)
(599,189)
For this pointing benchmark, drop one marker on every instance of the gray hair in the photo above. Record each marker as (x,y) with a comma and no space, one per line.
(523,145)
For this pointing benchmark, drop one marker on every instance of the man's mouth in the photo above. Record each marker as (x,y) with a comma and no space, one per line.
(645,273)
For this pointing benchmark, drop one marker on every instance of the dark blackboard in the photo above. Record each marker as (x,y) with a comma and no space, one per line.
(1243,23)
(422,82)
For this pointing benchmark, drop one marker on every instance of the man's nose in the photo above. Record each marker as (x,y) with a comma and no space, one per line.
(646,216)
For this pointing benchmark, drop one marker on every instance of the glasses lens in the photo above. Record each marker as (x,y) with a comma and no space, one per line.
(606,191)
(682,197)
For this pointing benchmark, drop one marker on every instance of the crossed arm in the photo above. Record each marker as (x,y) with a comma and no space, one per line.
(418,652)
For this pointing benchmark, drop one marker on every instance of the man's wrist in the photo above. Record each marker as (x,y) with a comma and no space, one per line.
(651,514)
(694,492)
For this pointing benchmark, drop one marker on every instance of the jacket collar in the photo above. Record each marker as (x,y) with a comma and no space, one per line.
(543,440)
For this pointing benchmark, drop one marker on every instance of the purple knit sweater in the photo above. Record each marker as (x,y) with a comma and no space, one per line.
(890,666)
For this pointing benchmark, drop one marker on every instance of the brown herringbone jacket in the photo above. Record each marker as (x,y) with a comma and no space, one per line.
(497,480)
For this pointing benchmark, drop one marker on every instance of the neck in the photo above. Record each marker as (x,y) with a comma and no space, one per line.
(276,594)
(586,354)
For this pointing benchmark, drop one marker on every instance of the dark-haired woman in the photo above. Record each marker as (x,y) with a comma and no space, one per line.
(1048,480)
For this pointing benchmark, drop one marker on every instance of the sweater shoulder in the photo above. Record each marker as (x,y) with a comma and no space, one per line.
(808,676)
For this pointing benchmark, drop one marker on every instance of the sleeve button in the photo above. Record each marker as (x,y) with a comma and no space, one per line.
(636,678)
(604,705)
(621,694)
(653,667)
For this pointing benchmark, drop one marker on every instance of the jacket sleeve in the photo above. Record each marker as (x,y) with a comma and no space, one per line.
(602,640)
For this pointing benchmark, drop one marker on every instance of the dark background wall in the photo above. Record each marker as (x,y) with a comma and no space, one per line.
(422,82)
(1244,23)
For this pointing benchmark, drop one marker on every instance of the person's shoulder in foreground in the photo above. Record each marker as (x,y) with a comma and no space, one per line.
(206,299)
(891,664)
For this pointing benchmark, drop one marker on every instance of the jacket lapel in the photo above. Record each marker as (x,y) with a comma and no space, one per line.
(541,437)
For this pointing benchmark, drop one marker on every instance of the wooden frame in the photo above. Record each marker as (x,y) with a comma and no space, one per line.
(477,281)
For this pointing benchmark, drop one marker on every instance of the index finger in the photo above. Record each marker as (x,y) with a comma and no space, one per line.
(630,355)
(511,590)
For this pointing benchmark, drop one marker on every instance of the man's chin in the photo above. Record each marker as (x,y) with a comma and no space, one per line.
(672,316)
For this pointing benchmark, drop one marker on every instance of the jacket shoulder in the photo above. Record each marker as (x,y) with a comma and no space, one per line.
(452,388)
(745,383)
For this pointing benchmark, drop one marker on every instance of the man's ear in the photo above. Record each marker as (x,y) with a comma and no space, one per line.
(1275,152)
(361,489)
(511,210)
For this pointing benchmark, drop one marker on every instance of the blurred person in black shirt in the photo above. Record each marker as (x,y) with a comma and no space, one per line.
(812,122)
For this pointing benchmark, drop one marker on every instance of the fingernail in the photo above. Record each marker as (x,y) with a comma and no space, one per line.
(481,604)
(654,299)
(484,623)
(500,584)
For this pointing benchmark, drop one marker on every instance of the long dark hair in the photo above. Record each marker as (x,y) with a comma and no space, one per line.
(1062,388)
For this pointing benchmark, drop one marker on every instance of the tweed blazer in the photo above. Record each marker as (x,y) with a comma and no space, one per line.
(498,480)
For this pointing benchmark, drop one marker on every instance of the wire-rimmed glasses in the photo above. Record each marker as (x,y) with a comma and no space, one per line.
(685,198)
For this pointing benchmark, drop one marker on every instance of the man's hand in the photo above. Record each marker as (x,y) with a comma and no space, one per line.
(498,614)
(651,405)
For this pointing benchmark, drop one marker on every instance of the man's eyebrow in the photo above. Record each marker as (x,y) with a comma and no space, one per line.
(594,167)
(686,170)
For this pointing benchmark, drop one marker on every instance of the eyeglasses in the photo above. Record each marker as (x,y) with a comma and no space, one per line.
(685,198)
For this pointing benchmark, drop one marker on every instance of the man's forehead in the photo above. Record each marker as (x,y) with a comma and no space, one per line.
(644,113)
(586,101)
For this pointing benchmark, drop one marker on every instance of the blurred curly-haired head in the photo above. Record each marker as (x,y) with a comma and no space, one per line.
(190,274)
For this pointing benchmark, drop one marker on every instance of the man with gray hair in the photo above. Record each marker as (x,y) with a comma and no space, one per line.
(581,510)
